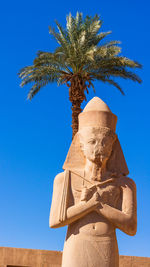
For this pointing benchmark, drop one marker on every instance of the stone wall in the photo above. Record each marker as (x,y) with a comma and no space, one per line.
(132,261)
(29,258)
(19,257)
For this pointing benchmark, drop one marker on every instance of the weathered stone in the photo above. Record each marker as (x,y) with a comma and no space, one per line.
(94,196)
(19,257)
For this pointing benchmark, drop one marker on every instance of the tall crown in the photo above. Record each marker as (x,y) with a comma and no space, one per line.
(97,114)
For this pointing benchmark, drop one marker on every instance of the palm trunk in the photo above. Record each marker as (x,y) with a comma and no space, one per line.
(76,96)
(76,110)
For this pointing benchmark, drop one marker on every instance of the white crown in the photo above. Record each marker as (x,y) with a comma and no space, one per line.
(97,114)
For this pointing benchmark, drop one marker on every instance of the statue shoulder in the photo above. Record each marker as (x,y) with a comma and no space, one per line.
(59,178)
(125,181)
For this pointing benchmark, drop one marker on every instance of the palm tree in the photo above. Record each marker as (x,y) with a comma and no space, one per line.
(79,60)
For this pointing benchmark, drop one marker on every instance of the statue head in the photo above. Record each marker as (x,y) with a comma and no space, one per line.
(96,140)
(97,131)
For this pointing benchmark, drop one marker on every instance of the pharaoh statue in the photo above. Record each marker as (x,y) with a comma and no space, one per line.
(94,196)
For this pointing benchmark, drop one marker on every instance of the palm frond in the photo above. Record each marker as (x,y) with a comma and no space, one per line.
(37,74)
(114,84)
(61,40)
(79,19)
(42,81)
(123,73)
(99,37)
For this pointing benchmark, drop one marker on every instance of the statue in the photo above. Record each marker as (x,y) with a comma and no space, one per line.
(94,196)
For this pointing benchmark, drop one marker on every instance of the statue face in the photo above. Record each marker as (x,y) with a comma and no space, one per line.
(97,143)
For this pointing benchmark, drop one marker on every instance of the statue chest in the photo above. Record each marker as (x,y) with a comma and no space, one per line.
(110,193)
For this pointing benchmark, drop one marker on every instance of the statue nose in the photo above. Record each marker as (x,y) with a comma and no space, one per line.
(97,147)
(98,144)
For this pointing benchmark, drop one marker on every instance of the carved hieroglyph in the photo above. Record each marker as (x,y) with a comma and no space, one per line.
(94,196)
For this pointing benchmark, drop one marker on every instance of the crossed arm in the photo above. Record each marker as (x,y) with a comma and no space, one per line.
(124,219)
(73,213)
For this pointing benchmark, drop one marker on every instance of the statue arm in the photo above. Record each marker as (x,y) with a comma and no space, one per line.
(73,212)
(125,219)
(56,200)
(81,209)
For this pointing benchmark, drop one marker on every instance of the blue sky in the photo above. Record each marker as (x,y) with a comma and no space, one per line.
(35,136)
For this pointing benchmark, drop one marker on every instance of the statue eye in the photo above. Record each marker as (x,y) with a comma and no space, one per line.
(92,141)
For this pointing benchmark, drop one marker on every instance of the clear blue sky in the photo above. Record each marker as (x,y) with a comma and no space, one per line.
(35,136)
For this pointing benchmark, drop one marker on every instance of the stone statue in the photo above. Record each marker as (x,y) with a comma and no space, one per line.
(94,196)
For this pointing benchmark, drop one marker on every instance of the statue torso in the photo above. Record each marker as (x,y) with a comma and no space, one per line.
(93,223)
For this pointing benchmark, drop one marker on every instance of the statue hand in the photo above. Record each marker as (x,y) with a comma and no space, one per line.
(85,194)
(94,201)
